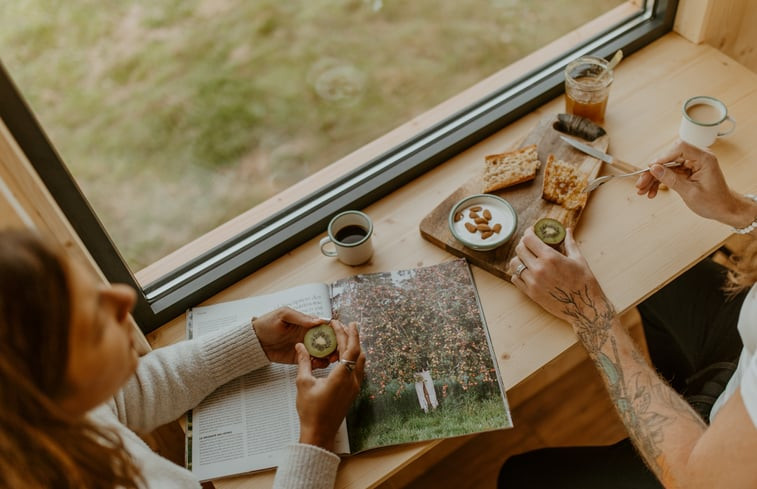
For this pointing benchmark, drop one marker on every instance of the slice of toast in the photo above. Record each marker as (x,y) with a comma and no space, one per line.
(511,168)
(563,184)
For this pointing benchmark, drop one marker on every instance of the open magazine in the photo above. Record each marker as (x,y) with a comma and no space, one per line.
(430,371)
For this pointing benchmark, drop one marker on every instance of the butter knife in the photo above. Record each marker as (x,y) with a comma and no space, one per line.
(600,155)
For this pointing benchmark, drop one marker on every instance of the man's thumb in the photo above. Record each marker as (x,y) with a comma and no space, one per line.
(660,173)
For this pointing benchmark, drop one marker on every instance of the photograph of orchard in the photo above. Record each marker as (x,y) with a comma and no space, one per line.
(430,371)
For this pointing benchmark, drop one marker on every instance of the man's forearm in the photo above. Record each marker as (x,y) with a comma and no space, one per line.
(663,427)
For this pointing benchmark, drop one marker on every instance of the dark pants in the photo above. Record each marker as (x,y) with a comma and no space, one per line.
(690,327)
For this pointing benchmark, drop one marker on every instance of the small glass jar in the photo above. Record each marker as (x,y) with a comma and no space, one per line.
(587,87)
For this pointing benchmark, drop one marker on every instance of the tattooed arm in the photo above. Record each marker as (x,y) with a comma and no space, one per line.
(675,443)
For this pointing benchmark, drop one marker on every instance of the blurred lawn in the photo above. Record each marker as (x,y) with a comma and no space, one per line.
(177,115)
(450,419)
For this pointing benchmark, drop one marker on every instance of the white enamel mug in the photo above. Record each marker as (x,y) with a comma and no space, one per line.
(701,119)
(349,233)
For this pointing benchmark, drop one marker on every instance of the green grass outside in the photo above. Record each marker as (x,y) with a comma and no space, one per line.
(177,115)
(450,419)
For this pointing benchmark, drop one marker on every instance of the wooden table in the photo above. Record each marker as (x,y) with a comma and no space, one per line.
(634,245)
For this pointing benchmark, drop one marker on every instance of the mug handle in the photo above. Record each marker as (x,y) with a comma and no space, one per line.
(733,126)
(326,240)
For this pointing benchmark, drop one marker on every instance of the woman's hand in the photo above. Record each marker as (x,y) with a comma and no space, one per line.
(561,284)
(700,183)
(280,330)
(322,403)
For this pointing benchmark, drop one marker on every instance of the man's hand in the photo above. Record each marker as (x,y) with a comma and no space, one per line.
(700,183)
(561,284)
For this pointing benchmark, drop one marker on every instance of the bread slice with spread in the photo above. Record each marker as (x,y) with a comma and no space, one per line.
(563,184)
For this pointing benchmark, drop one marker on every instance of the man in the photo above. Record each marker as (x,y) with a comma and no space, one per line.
(694,331)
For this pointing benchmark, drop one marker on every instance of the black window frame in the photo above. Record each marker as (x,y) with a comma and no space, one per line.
(207,274)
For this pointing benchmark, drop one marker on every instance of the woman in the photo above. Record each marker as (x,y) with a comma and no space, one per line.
(695,332)
(73,388)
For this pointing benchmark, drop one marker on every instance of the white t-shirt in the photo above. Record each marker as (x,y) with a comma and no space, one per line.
(745,375)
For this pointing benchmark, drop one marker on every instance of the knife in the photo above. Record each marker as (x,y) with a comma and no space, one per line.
(592,151)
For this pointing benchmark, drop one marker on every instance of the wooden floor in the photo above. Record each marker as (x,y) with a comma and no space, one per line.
(572,410)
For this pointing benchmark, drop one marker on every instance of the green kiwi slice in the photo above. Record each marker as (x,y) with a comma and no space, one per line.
(320,341)
(551,231)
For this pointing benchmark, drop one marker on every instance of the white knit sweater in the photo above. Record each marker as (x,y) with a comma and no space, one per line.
(172,380)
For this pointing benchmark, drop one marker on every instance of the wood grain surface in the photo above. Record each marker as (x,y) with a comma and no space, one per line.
(525,199)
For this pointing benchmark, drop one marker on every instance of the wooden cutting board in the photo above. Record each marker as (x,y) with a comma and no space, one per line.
(525,199)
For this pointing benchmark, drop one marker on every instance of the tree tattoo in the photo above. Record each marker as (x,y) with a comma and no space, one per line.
(645,403)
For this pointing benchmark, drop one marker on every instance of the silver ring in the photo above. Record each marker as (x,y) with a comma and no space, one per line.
(348,364)
(519,269)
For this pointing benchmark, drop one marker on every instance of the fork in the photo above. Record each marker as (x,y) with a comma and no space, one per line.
(593,184)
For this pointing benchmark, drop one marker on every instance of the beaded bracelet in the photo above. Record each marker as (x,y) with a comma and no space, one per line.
(748,229)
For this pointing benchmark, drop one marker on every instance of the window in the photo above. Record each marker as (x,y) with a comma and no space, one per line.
(127,88)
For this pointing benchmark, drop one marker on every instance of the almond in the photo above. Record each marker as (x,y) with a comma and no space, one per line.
(458,216)
(487,214)
(475,208)
(480,220)
(497,228)
(470,227)
(483,227)
(486,234)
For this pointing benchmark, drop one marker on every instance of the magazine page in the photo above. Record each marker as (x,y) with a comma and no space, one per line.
(431,371)
(246,424)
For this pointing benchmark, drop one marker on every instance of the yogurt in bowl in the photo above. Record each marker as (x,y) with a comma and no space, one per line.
(482,222)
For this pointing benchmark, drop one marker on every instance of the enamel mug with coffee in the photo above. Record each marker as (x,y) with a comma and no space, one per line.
(349,238)
(702,119)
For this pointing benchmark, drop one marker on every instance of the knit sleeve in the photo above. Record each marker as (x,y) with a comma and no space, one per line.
(306,466)
(172,380)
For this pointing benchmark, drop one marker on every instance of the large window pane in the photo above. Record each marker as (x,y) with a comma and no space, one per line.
(175,116)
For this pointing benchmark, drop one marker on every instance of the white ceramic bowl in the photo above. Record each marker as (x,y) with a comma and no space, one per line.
(501,213)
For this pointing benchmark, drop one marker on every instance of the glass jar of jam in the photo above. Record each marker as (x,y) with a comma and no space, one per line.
(587,87)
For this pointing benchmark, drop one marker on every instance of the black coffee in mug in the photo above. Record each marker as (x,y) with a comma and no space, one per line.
(351,234)
(349,238)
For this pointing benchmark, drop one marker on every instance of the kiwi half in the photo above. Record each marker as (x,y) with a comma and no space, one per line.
(549,230)
(320,341)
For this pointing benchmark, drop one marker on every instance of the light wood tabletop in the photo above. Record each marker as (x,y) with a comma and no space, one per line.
(634,245)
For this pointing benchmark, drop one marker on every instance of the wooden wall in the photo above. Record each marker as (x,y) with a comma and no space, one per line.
(727,25)
(25,202)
